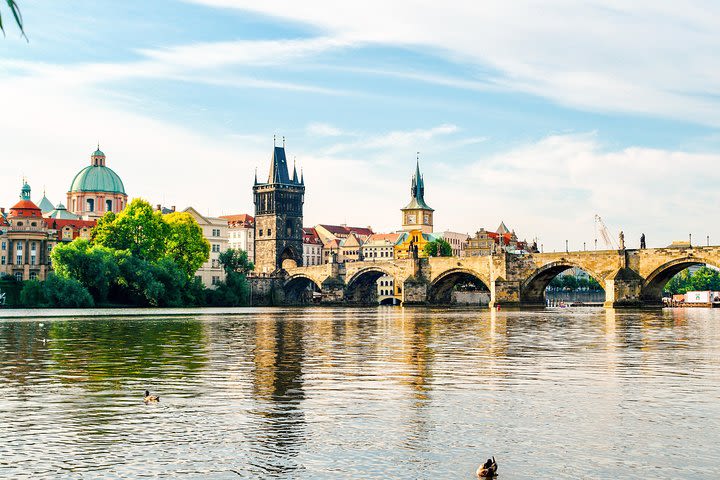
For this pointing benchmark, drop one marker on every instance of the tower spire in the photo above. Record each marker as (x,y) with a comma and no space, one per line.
(295,175)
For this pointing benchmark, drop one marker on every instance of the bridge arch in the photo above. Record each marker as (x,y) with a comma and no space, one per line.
(655,282)
(440,290)
(533,288)
(361,288)
(300,289)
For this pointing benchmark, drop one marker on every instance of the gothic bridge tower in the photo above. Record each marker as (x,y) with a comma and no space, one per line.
(278,217)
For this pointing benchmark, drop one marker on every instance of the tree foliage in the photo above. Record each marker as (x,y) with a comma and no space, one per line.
(15,10)
(571,282)
(185,243)
(438,248)
(137,229)
(55,291)
(235,290)
(703,279)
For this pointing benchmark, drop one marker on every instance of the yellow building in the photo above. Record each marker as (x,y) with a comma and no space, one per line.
(414,240)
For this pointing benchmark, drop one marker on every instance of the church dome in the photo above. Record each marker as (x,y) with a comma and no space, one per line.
(97,177)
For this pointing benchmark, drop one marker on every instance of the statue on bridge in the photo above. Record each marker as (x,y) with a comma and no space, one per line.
(621,244)
(642,242)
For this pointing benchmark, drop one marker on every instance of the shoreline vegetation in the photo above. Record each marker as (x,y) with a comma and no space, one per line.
(137,258)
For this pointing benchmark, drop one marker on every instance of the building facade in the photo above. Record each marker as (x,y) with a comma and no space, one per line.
(278,217)
(96,190)
(502,240)
(417,215)
(25,240)
(458,242)
(215,231)
(241,233)
(380,247)
(312,248)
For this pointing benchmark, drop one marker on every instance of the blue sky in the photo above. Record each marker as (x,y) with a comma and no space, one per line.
(540,114)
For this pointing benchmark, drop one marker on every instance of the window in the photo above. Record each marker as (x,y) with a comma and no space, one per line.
(260,233)
(2,261)
(33,224)
(19,224)
(19,247)
(32,260)
(4,245)
(18,276)
(108,205)
(32,246)
(19,260)
(33,275)
(215,247)
(269,232)
(215,280)
(90,204)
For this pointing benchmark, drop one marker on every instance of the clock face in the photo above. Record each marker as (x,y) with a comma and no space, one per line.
(411,218)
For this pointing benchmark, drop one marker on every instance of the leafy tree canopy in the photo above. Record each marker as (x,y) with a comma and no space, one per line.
(137,229)
(438,248)
(185,243)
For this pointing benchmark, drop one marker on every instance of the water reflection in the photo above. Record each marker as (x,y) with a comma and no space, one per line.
(363,393)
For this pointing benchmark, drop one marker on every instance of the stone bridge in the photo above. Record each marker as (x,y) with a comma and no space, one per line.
(629,277)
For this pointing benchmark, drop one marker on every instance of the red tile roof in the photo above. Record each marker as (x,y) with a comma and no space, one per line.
(240,220)
(345,230)
(310,236)
(25,208)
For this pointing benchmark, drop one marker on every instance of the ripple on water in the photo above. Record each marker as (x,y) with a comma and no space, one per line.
(362,393)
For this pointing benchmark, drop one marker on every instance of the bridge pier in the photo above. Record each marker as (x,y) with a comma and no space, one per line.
(414,291)
(623,289)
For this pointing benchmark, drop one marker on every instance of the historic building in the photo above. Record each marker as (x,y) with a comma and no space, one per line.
(502,240)
(417,215)
(215,231)
(412,243)
(96,189)
(380,247)
(278,217)
(312,248)
(241,233)
(458,242)
(25,240)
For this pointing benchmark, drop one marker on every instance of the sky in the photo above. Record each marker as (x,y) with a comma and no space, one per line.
(538,114)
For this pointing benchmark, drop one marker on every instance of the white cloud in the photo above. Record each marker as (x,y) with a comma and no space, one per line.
(644,56)
(323,130)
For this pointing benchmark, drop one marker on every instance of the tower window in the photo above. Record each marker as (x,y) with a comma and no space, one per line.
(269,232)
(90,204)
(108,205)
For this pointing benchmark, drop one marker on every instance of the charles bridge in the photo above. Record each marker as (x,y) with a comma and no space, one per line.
(630,278)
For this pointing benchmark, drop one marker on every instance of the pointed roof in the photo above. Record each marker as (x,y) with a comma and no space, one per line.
(278,167)
(61,213)
(46,205)
(295,175)
(502,229)
(417,191)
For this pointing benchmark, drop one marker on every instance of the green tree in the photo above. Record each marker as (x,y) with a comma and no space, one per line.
(185,243)
(15,10)
(236,260)
(235,290)
(33,294)
(66,292)
(438,248)
(137,229)
(93,266)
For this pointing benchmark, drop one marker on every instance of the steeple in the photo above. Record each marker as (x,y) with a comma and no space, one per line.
(278,167)
(295,175)
(25,191)
(255,176)
(417,189)
(302,177)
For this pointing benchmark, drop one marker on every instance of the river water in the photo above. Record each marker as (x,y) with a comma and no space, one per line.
(361,393)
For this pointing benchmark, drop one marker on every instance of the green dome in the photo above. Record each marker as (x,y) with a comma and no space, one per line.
(97,178)
(98,153)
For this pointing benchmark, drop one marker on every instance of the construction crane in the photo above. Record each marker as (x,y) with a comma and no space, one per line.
(607,238)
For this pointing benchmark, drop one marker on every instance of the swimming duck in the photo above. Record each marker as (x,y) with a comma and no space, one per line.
(487,469)
(150,398)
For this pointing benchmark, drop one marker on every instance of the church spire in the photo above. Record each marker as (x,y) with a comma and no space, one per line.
(295,175)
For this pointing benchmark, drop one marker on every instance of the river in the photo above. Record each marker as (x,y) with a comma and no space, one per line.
(372,393)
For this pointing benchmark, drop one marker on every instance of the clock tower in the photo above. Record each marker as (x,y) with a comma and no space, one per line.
(417,215)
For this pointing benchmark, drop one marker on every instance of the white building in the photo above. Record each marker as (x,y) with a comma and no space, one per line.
(458,242)
(380,247)
(312,248)
(215,231)
(241,230)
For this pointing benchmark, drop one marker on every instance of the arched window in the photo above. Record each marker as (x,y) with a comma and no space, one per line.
(90,202)
(108,205)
